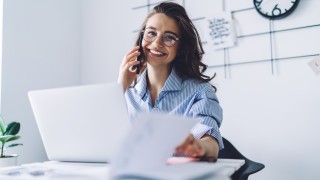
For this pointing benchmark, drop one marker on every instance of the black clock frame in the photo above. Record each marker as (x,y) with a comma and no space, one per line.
(280,16)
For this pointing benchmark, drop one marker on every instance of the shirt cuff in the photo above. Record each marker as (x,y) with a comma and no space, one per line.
(200,129)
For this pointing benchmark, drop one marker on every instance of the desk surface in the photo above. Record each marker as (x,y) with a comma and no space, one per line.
(222,169)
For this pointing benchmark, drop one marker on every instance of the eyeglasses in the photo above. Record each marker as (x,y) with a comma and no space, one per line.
(168,39)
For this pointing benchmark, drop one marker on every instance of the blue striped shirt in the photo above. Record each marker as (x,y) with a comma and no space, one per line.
(188,97)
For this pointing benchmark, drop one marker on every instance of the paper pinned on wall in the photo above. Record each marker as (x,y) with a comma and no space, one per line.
(315,65)
(221,31)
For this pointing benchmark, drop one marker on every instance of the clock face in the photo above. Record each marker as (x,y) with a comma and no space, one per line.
(274,9)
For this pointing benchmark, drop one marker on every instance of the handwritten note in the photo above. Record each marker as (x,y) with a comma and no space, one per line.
(221,30)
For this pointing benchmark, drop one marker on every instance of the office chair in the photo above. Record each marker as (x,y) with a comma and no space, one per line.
(250,167)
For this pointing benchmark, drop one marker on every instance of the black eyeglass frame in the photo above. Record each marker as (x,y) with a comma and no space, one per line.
(175,38)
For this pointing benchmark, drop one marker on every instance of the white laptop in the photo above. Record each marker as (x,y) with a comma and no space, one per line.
(81,123)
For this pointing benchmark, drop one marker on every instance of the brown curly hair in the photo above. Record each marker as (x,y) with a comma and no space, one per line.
(188,60)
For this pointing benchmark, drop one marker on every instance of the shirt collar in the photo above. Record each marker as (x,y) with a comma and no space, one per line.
(173,83)
(141,86)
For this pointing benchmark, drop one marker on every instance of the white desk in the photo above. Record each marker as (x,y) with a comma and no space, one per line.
(51,170)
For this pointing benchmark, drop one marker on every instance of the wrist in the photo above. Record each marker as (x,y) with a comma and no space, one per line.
(210,146)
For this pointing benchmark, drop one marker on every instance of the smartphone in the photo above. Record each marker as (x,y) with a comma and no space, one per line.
(140,57)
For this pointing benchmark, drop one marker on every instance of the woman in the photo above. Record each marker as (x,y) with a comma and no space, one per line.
(172,78)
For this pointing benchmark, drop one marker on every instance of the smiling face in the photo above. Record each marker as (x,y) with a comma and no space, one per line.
(157,53)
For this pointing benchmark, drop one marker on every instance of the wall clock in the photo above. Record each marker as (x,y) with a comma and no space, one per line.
(275,9)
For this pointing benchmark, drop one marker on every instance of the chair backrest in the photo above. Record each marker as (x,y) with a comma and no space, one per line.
(250,167)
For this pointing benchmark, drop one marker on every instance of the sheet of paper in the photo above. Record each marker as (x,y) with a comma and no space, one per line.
(152,141)
(56,171)
(315,65)
(185,171)
(220,31)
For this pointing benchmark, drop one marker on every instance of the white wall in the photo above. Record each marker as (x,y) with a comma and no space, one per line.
(105,39)
(1,24)
(41,49)
(271,118)
(274,118)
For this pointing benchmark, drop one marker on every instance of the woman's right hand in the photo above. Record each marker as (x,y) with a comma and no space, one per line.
(126,77)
